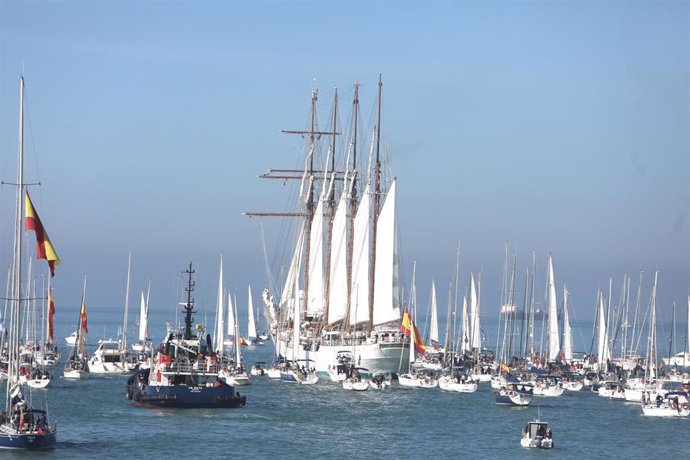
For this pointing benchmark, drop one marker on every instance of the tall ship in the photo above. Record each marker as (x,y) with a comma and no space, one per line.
(342,290)
(23,425)
(183,373)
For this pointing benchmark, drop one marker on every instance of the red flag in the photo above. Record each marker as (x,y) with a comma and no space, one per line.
(407,327)
(44,247)
(51,312)
(82,315)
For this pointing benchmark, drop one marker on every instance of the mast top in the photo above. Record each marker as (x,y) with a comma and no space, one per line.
(189,305)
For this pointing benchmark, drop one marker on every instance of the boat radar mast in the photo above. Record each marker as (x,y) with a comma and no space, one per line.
(189,305)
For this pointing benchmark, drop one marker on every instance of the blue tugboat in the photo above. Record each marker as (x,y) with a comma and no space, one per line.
(183,372)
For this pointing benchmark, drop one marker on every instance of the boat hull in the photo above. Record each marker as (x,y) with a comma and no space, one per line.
(30,441)
(218,395)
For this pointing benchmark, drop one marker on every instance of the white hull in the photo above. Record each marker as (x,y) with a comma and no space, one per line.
(548,391)
(664,411)
(109,368)
(482,378)
(385,357)
(38,383)
(573,386)
(450,384)
(413,381)
(273,373)
(75,375)
(356,385)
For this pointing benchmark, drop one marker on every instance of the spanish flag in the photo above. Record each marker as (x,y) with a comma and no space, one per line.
(45,249)
(407,327)
(82,315)
(51,313)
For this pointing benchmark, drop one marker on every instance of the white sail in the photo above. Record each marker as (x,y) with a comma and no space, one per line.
(602,342)
(220,306)
(464,332)
(251,324)
(552,308)
(567,331)
(359,289)
(476,327)
(433,326)
(143,320)
(337,292)
(291,282)
(316,280)
(231,317)
(687,337)
(387,285)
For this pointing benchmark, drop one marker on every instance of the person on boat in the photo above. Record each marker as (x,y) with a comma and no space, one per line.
(541,431)
(548,432)
(659,398)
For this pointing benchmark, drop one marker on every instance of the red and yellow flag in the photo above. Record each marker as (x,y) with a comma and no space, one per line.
(51,313)
(82,315)
(407,327)
(45,249)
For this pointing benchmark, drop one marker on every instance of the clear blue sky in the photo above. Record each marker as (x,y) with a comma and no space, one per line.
(563,127)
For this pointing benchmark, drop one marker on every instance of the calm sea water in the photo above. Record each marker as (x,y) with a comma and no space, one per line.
(290,421)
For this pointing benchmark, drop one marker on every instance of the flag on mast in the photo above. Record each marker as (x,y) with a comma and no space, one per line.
(45,249)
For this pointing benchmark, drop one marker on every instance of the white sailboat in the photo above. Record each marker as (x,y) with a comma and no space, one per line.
(252,334)
(671,404)
(681,359)
(337,313)
(603,353)
(552,308)
(77,365)
(143,344)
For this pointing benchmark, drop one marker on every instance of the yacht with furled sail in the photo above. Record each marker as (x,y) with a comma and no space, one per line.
(344,273)
(22,425)
(77,365)
(184,371)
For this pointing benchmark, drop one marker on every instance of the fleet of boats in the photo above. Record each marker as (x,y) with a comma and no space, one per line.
(339,316)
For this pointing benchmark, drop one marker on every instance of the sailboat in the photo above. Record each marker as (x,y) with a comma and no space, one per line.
(416,377)
(32,370)
(112,356)
(22,426)
(353,299)
(253,337)
(236,373)
(570,384)
(143,344)
(184,371)
(671,404)
(681,359)
(77,365)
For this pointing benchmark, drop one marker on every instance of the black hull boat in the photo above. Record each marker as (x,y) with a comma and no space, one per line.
(210,395)
(184,371)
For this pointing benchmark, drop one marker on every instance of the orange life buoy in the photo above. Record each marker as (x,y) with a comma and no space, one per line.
(685,406)
(674,406)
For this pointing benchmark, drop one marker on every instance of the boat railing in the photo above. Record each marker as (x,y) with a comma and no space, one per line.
(194,367)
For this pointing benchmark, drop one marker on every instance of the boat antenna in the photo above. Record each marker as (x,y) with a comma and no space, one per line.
(189,305)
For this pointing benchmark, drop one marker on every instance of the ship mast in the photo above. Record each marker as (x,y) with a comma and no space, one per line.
(331,211)
(353,200)
(15,297)
(189,305)
(377,199)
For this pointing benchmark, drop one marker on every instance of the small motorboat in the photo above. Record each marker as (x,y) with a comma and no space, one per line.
(258,368)
(356,381)
(537,434)
(379,380)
